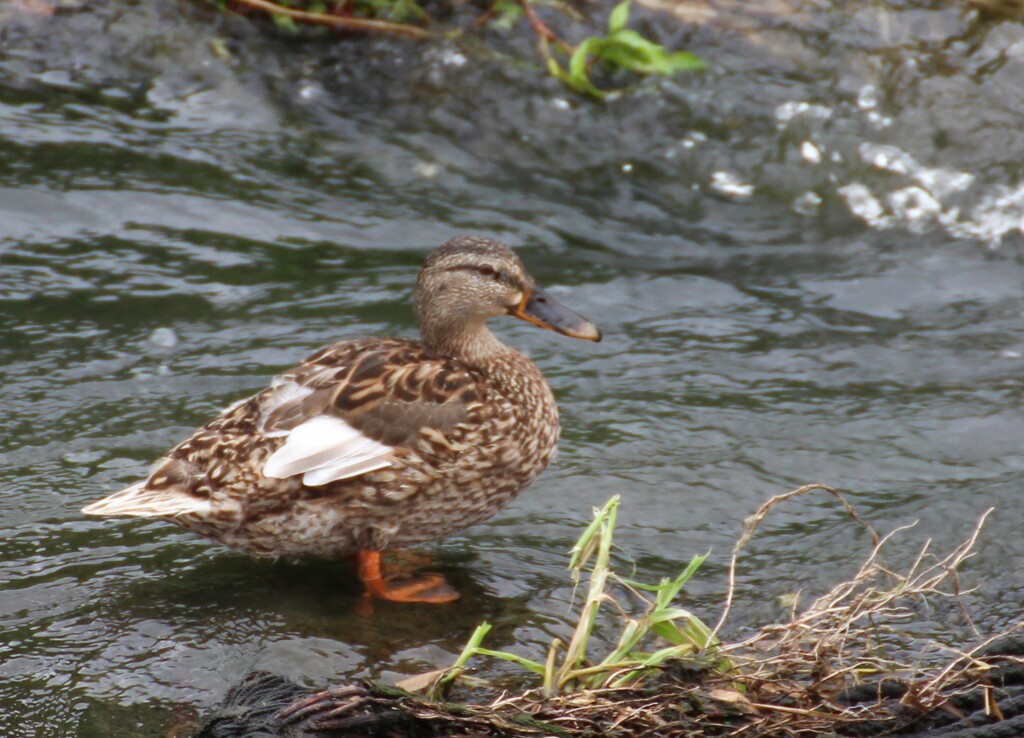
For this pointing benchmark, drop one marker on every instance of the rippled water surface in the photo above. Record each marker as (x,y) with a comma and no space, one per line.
(805,263)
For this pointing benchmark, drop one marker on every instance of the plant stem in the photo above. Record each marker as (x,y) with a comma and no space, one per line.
(335,21)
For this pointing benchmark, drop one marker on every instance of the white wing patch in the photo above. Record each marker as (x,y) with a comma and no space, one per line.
(325,449)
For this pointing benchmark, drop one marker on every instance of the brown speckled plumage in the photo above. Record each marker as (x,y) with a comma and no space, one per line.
(445,430)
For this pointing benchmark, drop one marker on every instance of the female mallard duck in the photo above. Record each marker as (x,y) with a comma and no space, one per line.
(378,443)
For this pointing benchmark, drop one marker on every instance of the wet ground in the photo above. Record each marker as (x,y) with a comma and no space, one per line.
(806,262)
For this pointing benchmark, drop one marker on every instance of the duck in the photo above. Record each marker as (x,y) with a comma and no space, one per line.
(378,444)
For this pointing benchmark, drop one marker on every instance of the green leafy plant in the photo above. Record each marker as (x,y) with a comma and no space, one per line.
(623,48)
(568,667)
(506,14)
(397,11)
(285,21)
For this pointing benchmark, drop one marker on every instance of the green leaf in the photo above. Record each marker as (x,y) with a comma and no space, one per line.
(632,39)
(472,647)
(587,542)
(580,58)
(675,635)
(507,14)
(669,615)
(641,585)
(285,21)
(527,664)
(406,11)
(619,17)
(629,50)
(632,634)
(672,652)
(625,49)
(669,590)
(685,61)
(669,632)
(579,67)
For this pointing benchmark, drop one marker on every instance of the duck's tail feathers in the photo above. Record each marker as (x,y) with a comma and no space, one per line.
(142,502)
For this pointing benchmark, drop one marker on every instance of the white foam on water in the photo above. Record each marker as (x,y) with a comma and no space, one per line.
(787,111)
(865,205)
(727,183)
(810,152)
(997,214)
(807,203)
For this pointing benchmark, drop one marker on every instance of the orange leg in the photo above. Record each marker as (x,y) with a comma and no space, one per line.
(424,588)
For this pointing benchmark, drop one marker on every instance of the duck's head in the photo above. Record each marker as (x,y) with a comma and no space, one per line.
(469,279)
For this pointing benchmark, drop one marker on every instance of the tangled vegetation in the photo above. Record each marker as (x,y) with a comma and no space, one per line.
(835,668)
(620,49)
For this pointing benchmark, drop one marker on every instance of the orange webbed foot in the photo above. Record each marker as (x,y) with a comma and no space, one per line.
(428,588)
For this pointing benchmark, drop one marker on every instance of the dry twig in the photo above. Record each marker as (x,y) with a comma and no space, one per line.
(347,23)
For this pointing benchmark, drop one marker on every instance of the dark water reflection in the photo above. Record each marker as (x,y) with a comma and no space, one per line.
(756,337)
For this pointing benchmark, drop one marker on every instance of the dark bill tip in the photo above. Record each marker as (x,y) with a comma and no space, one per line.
(539,308)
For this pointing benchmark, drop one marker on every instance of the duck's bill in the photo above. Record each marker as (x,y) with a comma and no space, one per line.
(539,308)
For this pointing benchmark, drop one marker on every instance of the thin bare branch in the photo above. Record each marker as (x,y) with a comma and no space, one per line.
(347,23)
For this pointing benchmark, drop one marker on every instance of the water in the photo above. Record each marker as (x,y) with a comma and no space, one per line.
(805,263)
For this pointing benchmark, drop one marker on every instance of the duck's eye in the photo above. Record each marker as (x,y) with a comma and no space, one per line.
(487,270)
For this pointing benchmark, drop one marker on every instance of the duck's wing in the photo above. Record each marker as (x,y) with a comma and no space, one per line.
(349,409)
(344,413)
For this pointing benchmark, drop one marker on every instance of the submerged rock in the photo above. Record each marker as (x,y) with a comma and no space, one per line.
(265,705)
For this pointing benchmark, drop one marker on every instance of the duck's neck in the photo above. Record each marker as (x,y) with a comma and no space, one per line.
(471,343)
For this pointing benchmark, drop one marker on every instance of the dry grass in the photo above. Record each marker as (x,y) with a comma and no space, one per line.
(853,635)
